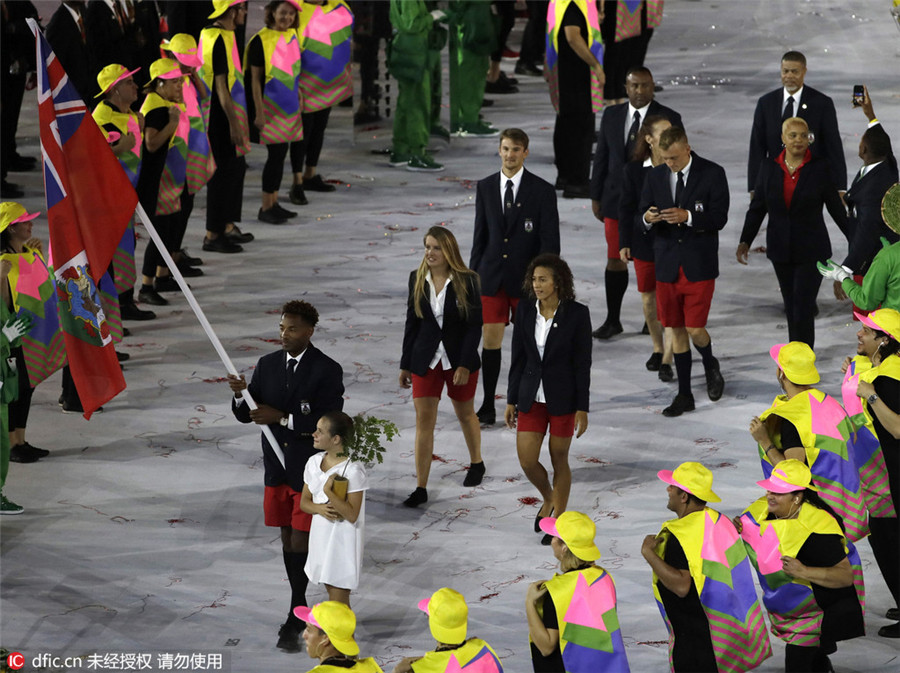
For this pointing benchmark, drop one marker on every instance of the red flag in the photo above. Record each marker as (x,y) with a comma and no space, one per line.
(89,204)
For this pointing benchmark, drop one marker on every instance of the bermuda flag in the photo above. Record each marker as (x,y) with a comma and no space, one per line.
(89,204)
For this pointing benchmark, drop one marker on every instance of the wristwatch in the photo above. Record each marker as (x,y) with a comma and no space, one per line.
(283,422)
(871,399)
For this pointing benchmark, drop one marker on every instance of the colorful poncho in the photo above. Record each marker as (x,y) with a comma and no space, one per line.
(555,13)
(281,91)
(200,162)
(174,173)
(34,295)
(325,40)
(721,572)
(795,616)
(126,122)
(628,19)
(873,475)
(827,434)
(475,656)
(589,635)
(208,38)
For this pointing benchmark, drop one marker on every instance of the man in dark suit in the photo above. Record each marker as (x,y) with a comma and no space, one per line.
(795,100)
(615,143)
(67,35)
(686,203)
(110,34)
(515,220)
(293,388)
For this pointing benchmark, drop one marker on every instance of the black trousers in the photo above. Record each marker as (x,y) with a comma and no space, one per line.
(187,207)
(573,136)
(167,227)
(533,37)
(799,287)
(506,10)
(18,409)
(273,171)
(225,193)
(309,149)
(885,541)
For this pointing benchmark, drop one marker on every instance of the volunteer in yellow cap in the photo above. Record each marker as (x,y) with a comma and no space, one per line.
(809,572)
(572,619)
(877,398)
(329,638)
(448,619)
(699,566)
(806,424)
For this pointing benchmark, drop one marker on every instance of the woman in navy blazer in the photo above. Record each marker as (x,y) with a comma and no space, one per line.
(791,189)
(440,345)
(549,378)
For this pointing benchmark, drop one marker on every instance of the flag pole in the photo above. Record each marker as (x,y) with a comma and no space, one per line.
(204,323)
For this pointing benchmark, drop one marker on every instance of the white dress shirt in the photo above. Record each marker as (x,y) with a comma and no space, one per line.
(287,367)
(629,120)
(541,332)
(436,299)
(796,96)
(516,180)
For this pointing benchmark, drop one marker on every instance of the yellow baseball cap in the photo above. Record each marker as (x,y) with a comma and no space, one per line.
(12,212)
(448,615)
(336,620)
(885,320)
(788,476)
(112,75)
(693,478)
(576,530)
(165,68)
(184,48)
(798,362)
(221,6)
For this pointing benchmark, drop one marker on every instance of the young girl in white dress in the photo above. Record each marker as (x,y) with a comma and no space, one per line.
(336,533)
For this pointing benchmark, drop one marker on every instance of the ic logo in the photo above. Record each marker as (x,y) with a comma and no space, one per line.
(15,660)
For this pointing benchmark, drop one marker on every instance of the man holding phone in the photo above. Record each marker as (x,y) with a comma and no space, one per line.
(794,99)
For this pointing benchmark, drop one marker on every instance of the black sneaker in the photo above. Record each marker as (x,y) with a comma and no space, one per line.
(891,631)
(317,184)
(680,405)
(21,453)
(607,330)
(288,638)
(151,296)
(715,384)
(41,453)
(270,216)
(547,540)
(487,415)
(238,236)
(123,357)
(474,475)
(130,311)
(188,260)
(189,271)
(298,196)
(416,498)
(221,244)
(166,284)
(284,212)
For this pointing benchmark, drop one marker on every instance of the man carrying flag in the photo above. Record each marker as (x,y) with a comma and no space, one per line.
(89,204)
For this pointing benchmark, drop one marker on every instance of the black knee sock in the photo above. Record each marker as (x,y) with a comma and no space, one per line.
(616,285)
(706,353)
(295,562)
(683,368)
(490,373)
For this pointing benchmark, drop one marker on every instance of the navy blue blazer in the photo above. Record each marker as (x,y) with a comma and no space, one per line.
(817,110)
(866,224)
(500,252)
(797,234)
(565,369)
(693,248)
(460,334)
(609,156)
(317,387)
(632,232)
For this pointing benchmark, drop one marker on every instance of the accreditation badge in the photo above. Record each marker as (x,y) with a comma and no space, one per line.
(698,206)
(305,408)
(529,225)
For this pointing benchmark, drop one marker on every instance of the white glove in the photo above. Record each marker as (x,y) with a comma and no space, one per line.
(439,16)
(834,271)
(16,328)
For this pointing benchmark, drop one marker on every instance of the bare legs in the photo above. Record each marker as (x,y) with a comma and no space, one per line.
(555,496)
(426,418)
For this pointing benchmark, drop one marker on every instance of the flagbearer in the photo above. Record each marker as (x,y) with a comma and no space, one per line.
(124,131)
(702,581)
(229,136)
(34,358)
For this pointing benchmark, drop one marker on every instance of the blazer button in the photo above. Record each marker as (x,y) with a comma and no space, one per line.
(506,240)
(284,445)
(505,256)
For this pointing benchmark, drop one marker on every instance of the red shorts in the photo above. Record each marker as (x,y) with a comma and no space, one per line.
(433,382)
(537,420)
(611,227)
(646,275)
(683,303)
(498,308)
(282,508)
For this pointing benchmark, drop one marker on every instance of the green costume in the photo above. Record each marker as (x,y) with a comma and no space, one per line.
(881,284)
(472,39)
(412,65)
(9,392)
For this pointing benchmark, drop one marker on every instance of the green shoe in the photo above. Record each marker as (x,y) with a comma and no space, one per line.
(476,130)
(8,507)
(399,160)
(438,131)
(423,164)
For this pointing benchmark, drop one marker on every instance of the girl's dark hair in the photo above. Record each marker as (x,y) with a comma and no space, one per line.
(340,424)
(270,14)
(562,276)
(641,151)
